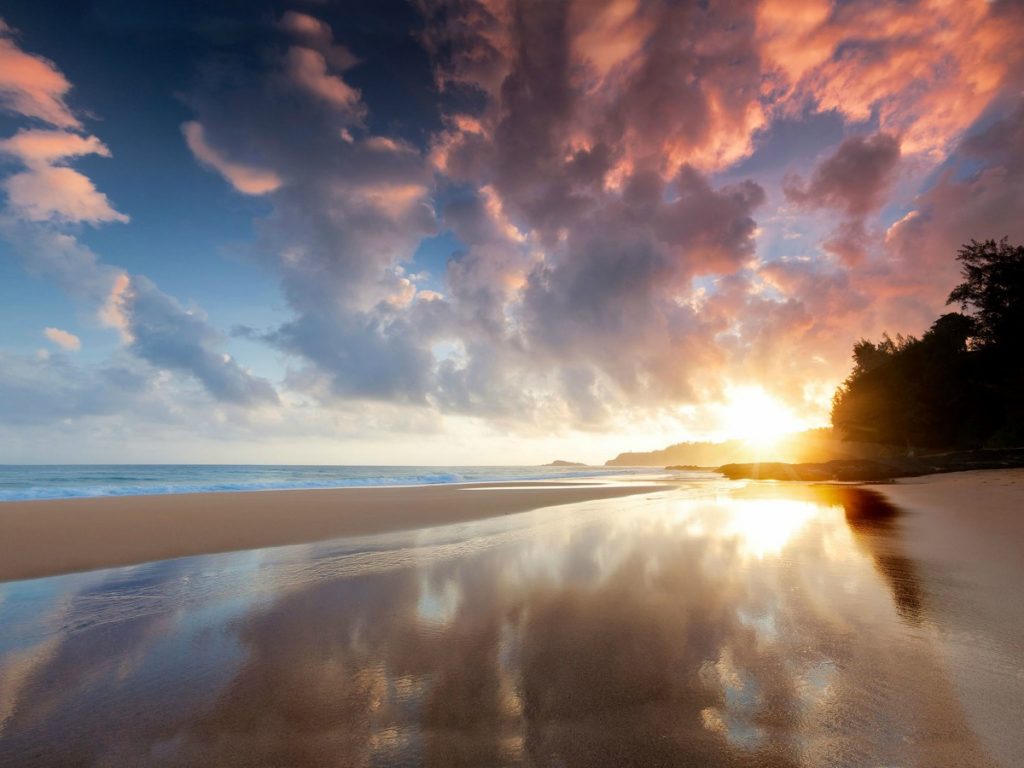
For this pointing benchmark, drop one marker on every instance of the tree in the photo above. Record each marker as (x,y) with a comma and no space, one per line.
(961,385)
(993,291)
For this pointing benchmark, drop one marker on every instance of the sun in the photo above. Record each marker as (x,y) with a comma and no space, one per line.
(752,415)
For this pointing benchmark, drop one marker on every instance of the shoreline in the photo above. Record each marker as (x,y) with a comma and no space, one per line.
(50,537)
(874,470)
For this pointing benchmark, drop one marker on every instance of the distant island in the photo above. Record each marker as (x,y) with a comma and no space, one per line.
(824,444)
(563,463)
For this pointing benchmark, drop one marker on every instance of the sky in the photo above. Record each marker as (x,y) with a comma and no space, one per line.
(478,231)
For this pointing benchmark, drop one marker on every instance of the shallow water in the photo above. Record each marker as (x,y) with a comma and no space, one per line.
(759,627)
(28,482)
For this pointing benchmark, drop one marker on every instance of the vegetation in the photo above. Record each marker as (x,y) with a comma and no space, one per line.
(961,385)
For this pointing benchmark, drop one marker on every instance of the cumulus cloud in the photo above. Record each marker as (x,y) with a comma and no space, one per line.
(63,339)
(601,264)
(852,179)
(43,147)
(978,196)
(51,389)
(591,166)
(47,195)
(174,338)
(155,327)
(52,193)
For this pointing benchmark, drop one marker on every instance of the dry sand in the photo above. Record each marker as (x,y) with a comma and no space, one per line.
(45,538)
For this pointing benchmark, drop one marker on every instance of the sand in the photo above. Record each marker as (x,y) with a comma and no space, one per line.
(987,505)
(964,532)
(46,538)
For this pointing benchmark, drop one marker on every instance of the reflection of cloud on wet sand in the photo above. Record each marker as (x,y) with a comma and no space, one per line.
(664,633)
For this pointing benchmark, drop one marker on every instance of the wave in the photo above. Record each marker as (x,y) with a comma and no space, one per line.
(71,482)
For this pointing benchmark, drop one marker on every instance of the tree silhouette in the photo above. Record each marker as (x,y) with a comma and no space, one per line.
(961,384)
(993,291)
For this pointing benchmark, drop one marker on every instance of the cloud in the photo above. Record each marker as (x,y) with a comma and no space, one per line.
(385,144)
(608,256)
(48,195)
(48,190)
(171,337)
(852,179)
(61,194)
(153,325)
(317,34)
(925,69)
(31,85)
(53,389)
(37,147)
(63,339)
(599,167)
(352,213)
(247,179)
(977,196)
(308,69)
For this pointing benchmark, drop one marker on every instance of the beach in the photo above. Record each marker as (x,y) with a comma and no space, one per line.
(46,538)
(697,623)
(963,534)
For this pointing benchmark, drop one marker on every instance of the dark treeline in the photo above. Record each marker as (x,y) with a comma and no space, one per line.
(961,385)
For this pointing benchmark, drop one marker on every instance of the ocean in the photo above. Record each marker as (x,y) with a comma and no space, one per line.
(66,481)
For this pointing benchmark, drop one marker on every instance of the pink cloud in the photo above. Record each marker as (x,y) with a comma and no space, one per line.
(927,68)
(48,146)
(31,85)
(55,193)
(63,339)
(385,144)
(114,313)
(247,179)
(48,191)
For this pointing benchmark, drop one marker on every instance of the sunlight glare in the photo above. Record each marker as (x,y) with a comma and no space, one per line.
(765,526)
(752,415)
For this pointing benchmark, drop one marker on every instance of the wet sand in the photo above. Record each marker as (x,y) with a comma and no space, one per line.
(963,532)
(722,625)
(985,506)
(46,538)
(778,625)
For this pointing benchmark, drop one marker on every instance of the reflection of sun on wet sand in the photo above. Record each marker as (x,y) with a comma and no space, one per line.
(778,625)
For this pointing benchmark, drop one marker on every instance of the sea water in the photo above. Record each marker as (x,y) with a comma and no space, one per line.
(63,481)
